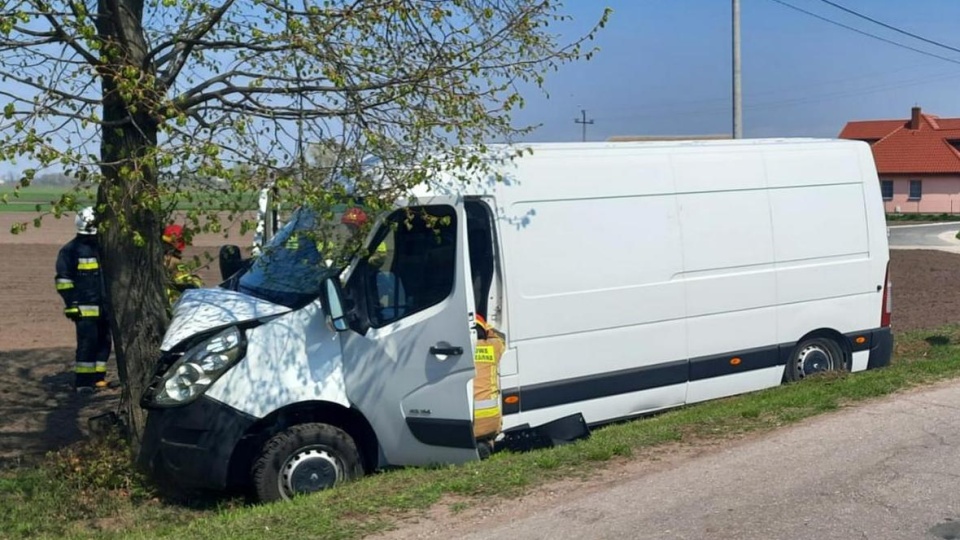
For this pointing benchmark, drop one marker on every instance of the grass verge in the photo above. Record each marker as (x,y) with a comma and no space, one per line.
(90,492)
(925,218)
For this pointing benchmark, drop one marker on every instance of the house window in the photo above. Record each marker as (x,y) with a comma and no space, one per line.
(916,190)
(886,188)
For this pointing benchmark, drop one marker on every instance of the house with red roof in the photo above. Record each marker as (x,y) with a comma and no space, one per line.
(918,161)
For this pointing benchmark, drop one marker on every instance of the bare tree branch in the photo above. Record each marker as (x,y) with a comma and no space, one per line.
(66,38)
(185,48)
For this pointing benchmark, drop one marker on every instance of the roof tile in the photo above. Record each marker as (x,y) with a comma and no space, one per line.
(897,149)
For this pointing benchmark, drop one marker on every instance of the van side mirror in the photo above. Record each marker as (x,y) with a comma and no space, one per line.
(332,299)
(231,261)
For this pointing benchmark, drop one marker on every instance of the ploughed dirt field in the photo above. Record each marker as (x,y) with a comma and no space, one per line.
(40,412)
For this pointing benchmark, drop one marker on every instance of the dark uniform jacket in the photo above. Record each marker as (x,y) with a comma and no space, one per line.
(78,277)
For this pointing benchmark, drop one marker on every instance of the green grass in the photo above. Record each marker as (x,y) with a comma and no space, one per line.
(39,198)
(85,499)
(922,217)
(28,199)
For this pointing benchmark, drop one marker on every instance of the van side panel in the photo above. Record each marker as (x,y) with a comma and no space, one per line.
(627,264)
(729,271)
(595,306)
(828,271)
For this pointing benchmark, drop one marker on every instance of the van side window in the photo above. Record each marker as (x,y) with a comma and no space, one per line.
(411,264)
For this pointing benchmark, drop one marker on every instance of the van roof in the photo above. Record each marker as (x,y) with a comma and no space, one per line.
(670,143)
(445,183)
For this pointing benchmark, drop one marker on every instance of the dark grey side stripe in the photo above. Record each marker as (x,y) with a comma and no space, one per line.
(721,364)
(550,394)
(555,393)
(443,432)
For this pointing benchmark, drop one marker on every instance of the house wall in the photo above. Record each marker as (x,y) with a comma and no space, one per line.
(940,194)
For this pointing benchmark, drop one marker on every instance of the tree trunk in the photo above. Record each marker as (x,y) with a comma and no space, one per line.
(130,231)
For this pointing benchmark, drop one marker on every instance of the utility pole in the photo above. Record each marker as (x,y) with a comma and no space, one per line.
(583,120)
(737,99)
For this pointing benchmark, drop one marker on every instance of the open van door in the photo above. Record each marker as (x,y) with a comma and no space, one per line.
(409,350)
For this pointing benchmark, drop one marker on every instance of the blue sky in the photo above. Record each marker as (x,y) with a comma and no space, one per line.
(665,68)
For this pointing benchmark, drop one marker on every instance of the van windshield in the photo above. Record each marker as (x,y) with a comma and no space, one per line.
(292,266)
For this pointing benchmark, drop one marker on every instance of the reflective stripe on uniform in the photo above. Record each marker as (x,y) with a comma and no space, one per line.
(486,413)
(101,367)
(486,403)
(486,408)
(86,367)
(64,284)
(89,311)
(87,263)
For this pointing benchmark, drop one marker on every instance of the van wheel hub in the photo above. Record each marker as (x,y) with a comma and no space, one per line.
(309,470)
(814,359)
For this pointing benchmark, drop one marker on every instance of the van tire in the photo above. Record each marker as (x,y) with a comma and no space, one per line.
(813,355)
(328,453)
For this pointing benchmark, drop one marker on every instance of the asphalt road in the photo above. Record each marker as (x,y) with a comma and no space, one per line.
(885,470)
(932,236)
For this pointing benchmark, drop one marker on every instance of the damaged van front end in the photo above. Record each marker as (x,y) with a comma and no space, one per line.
(189,436)
(232,357)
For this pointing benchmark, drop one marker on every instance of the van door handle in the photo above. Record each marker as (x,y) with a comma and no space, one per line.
(447,351)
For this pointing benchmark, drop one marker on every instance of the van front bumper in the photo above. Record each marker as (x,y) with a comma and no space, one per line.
(191,446)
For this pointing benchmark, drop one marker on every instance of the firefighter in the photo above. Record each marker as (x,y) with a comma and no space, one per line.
(80,284)
(181,277)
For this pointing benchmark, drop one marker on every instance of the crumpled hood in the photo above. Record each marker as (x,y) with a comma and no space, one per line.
(202,310)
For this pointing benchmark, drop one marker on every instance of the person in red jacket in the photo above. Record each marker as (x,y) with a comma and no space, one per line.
(80,284)
(179,275)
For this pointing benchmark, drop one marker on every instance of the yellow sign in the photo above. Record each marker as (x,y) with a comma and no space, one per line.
(485,354)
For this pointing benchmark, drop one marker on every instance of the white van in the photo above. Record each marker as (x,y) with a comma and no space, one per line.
(627,278)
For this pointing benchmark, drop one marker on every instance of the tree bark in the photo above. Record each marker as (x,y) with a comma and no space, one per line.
(130,231)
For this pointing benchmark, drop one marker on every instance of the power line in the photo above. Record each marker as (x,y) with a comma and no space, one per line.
(891,27)
(868,34)
(789,102)
(803,89)
(657,110)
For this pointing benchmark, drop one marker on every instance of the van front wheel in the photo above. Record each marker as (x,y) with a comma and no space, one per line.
(304,459)
(813,356)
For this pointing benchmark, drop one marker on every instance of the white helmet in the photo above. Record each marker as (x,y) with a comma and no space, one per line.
(86,221)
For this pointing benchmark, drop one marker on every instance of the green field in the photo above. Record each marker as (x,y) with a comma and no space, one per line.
(30,198)
(39,198)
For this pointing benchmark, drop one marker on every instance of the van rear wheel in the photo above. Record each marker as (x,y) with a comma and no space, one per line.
(305,459)
(815,355)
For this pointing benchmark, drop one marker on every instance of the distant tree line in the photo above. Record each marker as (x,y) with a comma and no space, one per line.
(54,179)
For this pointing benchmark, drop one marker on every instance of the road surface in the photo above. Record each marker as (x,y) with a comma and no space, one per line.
(941,236)
(885,470)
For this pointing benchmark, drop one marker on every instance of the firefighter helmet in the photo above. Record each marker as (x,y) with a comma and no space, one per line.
(86,221)
(354,216)
(173,236)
